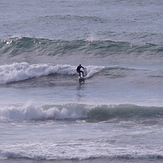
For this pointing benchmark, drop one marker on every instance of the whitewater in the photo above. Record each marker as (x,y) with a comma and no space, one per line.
(48,115)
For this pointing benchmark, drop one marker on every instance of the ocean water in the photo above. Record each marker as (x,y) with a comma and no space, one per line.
(47,115)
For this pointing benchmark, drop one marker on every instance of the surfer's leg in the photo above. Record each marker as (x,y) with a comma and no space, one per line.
(82,73)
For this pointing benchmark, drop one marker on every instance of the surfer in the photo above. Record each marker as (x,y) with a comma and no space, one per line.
(80,71)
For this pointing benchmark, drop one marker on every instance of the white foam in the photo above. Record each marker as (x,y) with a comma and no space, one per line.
(76,150)
(21,71)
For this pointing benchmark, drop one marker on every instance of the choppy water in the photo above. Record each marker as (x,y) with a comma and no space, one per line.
(46,114)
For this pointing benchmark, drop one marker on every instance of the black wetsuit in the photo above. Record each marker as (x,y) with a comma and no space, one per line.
(79,71)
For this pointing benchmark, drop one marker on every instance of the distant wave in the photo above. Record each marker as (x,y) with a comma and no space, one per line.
(87,19)
(92,113)
(97,48)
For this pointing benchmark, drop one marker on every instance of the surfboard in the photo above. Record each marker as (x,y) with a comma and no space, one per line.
(81,78)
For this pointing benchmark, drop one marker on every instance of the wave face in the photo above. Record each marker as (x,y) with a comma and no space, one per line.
(34,49)
(92,113)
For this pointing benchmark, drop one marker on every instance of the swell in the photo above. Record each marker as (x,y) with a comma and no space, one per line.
(74,111)
(97,48)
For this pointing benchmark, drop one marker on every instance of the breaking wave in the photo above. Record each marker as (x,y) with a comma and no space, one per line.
(79,111)
(23,71)
(17,72)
